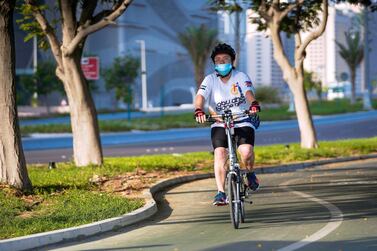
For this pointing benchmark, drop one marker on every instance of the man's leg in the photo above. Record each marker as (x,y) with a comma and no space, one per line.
(219,143)
(245,141)
(220,169)
(247,156)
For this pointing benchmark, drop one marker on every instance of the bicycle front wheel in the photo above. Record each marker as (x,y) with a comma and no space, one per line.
(233,197)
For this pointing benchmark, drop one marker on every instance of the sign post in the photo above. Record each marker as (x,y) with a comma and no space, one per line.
(90,67)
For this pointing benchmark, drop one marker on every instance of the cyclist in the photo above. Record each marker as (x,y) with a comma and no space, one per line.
(224,89)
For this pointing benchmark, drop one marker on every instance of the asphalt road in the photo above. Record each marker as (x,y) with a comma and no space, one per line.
(359,125)
(332,207)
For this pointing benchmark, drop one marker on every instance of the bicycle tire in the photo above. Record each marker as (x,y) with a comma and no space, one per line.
(242,207)
(233,197)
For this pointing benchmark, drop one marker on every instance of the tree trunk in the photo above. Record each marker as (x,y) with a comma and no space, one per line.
(237,38)
(12,160)
(199,76)
(305,122)
(86,140)
(353,87)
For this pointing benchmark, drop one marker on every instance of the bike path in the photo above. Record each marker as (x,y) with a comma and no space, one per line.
(279,218)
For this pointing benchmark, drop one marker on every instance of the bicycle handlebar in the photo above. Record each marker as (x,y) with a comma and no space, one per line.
(246,113)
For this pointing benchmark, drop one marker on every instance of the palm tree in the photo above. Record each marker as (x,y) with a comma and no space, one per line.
(199,42)
(352,53)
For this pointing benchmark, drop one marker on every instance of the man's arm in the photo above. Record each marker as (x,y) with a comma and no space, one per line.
(254,107)
(250,96)
(199,113)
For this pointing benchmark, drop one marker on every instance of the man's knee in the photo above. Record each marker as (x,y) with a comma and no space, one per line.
(246,151)
(220,153)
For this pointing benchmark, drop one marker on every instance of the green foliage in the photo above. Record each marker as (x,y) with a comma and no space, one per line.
(267,95)
(121,76)
(301,18)
(28,24)
(60,210)
(199,42)
(280,154)
(222,5)
(311,84)
(43,81)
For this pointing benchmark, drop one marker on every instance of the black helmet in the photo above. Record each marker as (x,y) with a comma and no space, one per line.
(223,48)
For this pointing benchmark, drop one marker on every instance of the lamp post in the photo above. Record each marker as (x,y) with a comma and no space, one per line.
(35,67)
(366,95)
(144,99)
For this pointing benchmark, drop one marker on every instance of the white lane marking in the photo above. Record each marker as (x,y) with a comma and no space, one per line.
(335,221)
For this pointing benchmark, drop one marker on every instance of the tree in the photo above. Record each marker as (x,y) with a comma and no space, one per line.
(199,42)
(12,160)
(311,84)
(120,76)
(352,52)
(78,19)
(294,18)
(43,82)
(231,7)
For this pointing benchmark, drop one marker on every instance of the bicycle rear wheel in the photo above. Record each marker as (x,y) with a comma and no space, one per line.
(233,197)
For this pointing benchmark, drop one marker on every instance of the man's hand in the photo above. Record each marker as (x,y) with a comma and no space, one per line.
(200,115)
(255,107)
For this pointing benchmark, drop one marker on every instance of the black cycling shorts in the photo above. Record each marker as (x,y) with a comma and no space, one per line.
(243,135)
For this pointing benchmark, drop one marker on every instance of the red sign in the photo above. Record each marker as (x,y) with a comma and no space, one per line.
(90,67)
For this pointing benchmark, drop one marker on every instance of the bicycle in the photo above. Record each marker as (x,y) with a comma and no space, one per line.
(237,189)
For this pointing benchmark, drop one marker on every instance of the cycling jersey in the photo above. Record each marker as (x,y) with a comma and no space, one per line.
(230,95)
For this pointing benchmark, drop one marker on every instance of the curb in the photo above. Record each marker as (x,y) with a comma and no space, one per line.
(301,165)
(149,209)
(56,236)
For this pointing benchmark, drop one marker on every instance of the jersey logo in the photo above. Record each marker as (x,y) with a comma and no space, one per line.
(203,87)
(234,89)
(248,83)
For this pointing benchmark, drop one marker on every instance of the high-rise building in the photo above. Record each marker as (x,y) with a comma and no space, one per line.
(261,65)
(323,56)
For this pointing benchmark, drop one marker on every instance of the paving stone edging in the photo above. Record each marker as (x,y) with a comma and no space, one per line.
(149,209)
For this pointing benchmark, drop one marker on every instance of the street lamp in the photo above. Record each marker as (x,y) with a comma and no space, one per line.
(143,75)
(366,95)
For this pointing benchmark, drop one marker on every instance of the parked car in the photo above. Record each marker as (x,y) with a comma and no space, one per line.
(339,90)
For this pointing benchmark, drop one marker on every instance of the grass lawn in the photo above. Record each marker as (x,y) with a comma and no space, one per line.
(185,120)
(69,196)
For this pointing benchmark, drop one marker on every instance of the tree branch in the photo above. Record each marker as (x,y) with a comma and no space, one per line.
(68,9)
(279,54)
(316,33)
(289,8)
(48,31)
(263,12)
(88,8)
(85,31)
